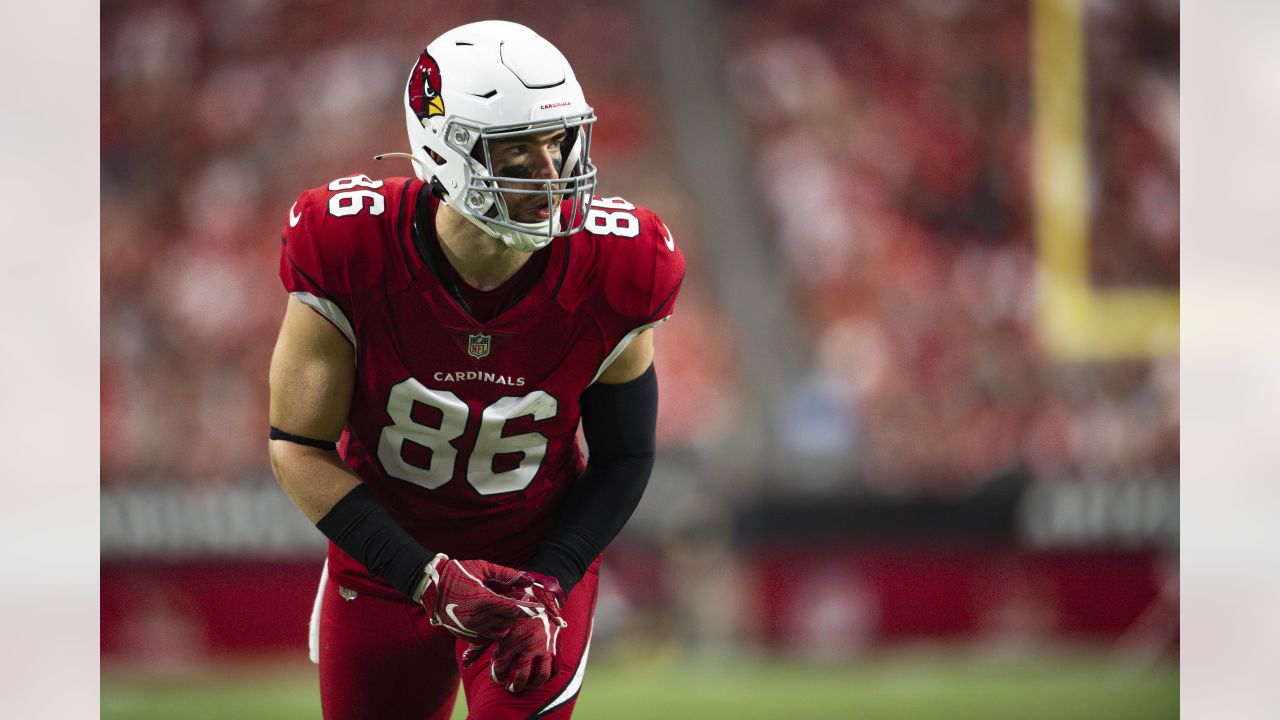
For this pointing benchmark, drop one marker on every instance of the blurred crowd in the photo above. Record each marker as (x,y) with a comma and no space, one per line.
(892,146)
(893,153)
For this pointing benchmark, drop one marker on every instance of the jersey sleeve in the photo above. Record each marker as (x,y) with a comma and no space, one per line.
(332,262)
(644,273)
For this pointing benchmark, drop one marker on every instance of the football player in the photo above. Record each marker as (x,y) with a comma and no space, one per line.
(443,338)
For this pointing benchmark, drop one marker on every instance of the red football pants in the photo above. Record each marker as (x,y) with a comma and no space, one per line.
(381,659)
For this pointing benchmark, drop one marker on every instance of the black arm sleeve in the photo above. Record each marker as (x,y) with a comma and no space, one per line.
(364,530)
(619,422)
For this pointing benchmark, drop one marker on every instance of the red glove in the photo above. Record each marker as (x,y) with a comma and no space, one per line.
(476,599)
(526,657)
(546,589)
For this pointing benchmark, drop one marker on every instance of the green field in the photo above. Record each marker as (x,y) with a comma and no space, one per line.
(909,688)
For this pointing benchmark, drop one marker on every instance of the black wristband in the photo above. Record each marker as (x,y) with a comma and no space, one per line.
(362,528)
(620,423)
(278,434)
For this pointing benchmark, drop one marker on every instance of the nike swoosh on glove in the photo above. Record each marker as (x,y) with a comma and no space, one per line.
(476,599)
(526,658)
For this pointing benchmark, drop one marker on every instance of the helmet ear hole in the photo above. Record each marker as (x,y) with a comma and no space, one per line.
(477,153)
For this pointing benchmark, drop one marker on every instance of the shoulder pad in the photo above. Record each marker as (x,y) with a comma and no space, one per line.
(336,239)
(643,268)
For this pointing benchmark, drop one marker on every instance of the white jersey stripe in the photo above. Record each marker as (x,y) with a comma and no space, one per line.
(313,632)
(330,310)
(571,690)
(622,345)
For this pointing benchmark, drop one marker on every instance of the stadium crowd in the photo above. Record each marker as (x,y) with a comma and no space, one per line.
(894,158)
(892,147)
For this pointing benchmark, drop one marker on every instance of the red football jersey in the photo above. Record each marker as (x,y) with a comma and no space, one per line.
(466,431)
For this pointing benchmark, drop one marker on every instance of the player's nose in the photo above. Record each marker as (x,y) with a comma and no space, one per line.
(545,163)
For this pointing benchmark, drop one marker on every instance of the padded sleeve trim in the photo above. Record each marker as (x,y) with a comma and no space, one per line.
(330,311)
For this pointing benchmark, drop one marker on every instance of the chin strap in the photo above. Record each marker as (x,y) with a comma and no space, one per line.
(514,239)
(527,242)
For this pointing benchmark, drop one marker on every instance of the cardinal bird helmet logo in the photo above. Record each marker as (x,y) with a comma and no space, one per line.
(424,88)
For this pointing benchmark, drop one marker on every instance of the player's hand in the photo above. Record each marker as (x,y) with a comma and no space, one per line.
(476,599)
(526,657)
(546,591)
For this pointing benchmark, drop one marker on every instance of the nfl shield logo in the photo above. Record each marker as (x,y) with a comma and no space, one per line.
(478,345)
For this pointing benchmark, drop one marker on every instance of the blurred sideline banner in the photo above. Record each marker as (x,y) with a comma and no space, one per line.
(256,521)
(836,600)
(809,601)
(233,570)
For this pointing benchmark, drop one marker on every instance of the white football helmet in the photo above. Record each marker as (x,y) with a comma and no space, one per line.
(497,79)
